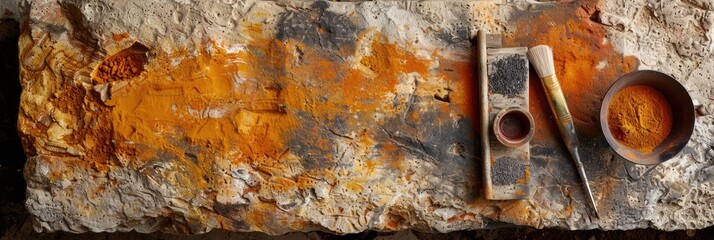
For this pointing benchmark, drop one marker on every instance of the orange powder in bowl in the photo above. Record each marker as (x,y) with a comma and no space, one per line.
(640,117)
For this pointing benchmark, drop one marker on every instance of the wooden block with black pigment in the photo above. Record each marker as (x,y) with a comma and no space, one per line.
(506,169)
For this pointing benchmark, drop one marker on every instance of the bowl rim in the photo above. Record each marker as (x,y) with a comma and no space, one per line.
(620,149)
(513,142)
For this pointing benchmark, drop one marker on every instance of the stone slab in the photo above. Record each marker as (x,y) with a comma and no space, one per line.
(299,116)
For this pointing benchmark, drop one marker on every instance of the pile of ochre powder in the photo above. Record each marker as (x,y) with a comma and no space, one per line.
(640,117)
(119,67)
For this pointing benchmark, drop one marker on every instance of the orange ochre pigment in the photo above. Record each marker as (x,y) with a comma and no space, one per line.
(118,67)
(640,117)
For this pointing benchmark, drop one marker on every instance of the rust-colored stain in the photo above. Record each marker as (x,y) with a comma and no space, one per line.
(585,62)
(233,104)
(255,29)
(387,61)
(517,211)
(121,36)
(119,67)
(123,65)
(586,65)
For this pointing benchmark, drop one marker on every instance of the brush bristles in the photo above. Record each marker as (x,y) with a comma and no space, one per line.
(541,57)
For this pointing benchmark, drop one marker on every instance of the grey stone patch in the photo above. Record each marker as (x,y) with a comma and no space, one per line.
(319,27)
(191,152)
(432,139)
(552,166)
(441,135)
(230,211)
(313,155)
(596,155)
(132,195)
(457,35)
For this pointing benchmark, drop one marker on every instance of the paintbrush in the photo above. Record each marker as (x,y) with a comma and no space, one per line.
(541,57)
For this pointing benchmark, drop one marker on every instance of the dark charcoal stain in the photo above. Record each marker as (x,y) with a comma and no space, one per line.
(191,152)
(338,125)
(509,77)
(597,157)
(595,153)
(56,29)
(269,68)
(459,35)
(440,132)
(433,136)
(318,27)
(555,160)
(230,211)
(302,142)
(438,138)
(407,141)
(507,170)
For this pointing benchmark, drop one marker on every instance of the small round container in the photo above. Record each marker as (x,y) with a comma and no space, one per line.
(682,116)
(513,126)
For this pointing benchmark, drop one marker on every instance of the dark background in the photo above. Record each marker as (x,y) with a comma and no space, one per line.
(15,223)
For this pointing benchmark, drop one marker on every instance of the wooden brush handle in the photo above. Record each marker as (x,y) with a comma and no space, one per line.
(556,99)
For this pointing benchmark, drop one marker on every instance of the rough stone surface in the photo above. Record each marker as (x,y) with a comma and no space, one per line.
(676,38)
(299,116)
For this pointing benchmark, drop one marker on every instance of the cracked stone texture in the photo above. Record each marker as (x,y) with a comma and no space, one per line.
(299,116)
